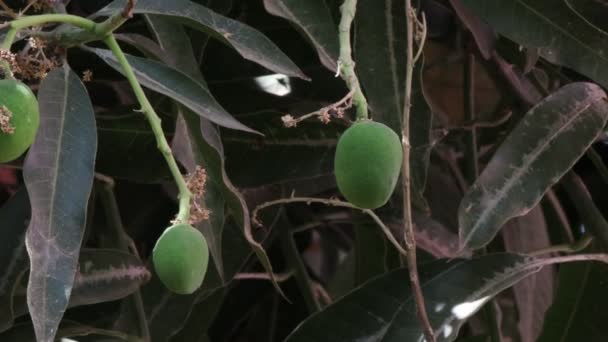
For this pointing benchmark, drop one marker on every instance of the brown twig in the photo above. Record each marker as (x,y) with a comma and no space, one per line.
(408,229)
(336,109)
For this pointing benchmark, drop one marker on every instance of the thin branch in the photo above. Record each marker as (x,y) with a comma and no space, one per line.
(330,202)
(336,109)
(127,12)
(279,277)
(408,229)
(346,65)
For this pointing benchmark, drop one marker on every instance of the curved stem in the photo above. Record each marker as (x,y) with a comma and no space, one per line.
(346,65)
(42,19)
(184,193)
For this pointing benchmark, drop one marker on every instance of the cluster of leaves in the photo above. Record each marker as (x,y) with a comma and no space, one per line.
(507,101)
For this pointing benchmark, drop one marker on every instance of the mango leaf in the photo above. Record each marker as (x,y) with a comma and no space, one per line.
(544,145)
(380,45)
(128,150)
(248,42)
(582,289)
(58,174)
(176,85)
(304,152)
(103,275)
(383,309)
(557,28)
(313,19)
(14,216)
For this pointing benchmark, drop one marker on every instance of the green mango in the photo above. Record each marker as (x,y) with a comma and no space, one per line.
(19,130)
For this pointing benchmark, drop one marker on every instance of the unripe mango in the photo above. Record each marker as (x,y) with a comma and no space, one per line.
(367,163)
(20,119)
(181,257)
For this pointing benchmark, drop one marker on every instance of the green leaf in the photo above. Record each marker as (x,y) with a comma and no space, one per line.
(539,151)
(103,275)
(380,47)
(176,85)
(248,42)
(578,309)
(14,215)
(383,309)
(313,19)
(557,28)
(128,149)
(58,175)
(303,152)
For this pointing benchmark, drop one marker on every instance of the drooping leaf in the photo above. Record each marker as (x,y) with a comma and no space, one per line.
(14,216)
(314,19)
(58,174)
(380,47)
(383,309)
(248,42)
(556,28)
(176,85)
(578,308)
(542,147)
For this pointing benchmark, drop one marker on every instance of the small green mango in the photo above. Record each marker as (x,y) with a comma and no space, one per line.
(17,99)
(181,257)
(367,163)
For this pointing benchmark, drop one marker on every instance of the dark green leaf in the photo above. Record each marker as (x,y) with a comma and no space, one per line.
(539,151)
(128,149)
(578,310)
(383,309)
(103,275)
(314,19)
(176,85)
(14,216)
(248,42)
(58,174)
(557,28)
(303,152)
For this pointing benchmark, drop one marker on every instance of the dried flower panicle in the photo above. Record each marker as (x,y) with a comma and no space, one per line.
(11,58)
(87,76)
(289,121)
(5,121)
(196,184)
